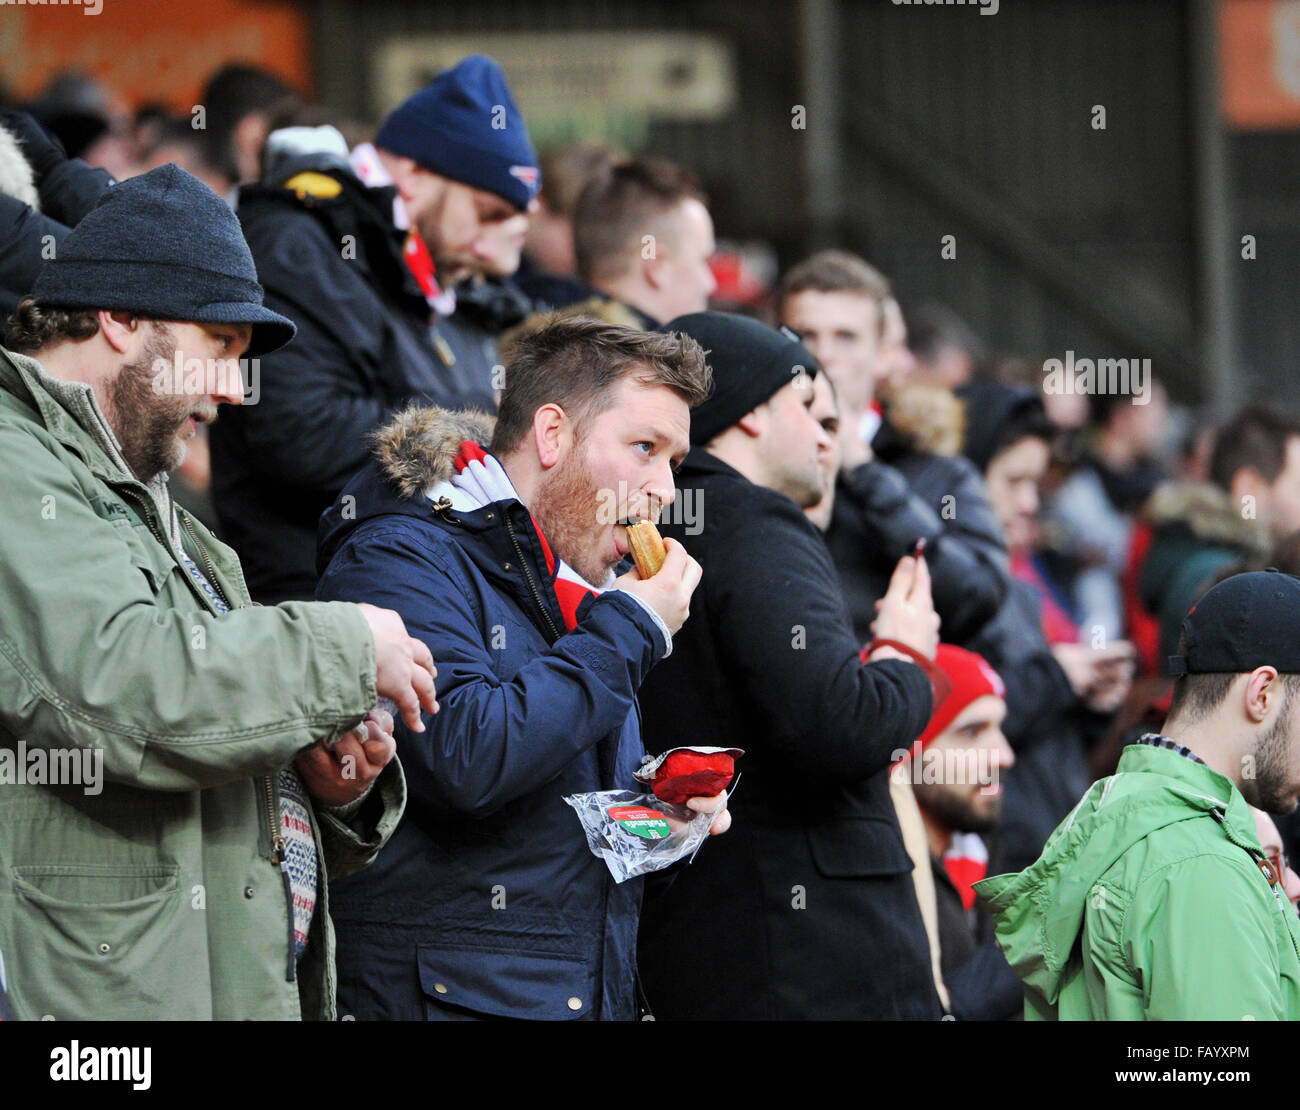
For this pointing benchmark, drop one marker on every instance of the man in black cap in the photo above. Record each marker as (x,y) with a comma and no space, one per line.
(178,768)
(1154,898)
(357,248)
(810,910)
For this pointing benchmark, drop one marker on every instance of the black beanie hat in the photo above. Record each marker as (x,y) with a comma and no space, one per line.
(165,246)
(990,407)
(750,363)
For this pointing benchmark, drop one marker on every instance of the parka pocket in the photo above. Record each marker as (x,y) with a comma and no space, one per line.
(463,984)
(146,554)
(106,941)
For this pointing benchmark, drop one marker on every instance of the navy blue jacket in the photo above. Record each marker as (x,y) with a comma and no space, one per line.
(487,900)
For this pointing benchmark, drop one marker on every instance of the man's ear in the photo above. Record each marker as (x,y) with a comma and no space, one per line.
(754,422)
(403,170)
(119,329)
(1247,482)
(1263,691)
(552,434)
(652,269)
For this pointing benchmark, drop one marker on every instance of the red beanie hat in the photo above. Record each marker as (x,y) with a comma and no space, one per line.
(971,678)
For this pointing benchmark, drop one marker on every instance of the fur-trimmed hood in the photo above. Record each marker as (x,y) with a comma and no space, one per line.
(417,448)
(16,177)
(1209,513)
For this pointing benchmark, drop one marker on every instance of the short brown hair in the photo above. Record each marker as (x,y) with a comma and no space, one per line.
(568,170)
(1196,696)
(1256,437)
(616,207)
(33,326)
(835,271)
(575,361)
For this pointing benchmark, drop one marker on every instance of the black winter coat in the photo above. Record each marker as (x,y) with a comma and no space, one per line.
(883,507)
(484,312)
(67,193)
(806,907)
(981,985)
(364,349)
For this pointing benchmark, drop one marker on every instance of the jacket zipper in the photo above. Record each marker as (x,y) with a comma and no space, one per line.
(523,563)
(279,857)
(207,563)
(148,515)
(1276,888)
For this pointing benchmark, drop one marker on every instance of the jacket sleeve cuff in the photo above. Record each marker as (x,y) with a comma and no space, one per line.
(345,811)
(659,621)
(353,839)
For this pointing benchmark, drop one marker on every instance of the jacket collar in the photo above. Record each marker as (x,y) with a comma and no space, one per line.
(1203,786)
(19,380)
(700,460)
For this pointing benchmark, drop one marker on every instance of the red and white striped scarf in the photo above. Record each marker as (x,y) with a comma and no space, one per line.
(480,480)
(967,862)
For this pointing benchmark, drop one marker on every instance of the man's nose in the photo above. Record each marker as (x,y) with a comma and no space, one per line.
(823,436)
(228,382)
(1002,748)
(485,247)
(662,491)
(1290,882)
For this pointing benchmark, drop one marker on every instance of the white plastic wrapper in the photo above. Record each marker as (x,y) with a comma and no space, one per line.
(637,833)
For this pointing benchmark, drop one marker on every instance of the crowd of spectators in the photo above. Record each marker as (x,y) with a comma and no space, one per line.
(910,550)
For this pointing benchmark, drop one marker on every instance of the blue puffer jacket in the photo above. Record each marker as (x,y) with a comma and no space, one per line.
(487,900)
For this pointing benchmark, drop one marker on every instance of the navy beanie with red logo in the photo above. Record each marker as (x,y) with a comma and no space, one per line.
(465,126)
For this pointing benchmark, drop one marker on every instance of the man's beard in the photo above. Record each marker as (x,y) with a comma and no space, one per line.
(146,421)
(959,811)
(567,501)
(1273,793)
(449,269)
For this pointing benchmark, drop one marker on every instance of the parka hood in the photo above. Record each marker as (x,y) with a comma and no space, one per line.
(413,451)
(1039,912)
(16,175)
(1208,513)
(417,448)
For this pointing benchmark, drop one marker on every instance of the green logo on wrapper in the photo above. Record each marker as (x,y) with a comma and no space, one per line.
(649,824)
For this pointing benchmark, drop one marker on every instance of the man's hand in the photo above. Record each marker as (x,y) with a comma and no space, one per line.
(1099,676)
(404,666)
(341,774)
(718,807)
(854,450)
(669,592)
(906,612)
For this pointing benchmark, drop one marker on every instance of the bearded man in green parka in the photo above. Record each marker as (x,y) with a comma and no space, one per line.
(180,771)
(1153,899)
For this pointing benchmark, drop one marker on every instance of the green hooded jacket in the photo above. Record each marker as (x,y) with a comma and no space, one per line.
(1148,902)
(154,890)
